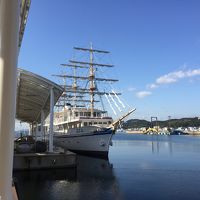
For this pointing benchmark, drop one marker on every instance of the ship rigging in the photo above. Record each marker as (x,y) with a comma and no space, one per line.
(74,94)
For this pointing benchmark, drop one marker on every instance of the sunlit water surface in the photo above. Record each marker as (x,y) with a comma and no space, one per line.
(139,167)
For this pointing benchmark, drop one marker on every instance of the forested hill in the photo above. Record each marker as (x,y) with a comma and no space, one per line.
(175,123)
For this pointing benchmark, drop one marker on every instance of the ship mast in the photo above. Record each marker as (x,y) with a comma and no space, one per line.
(92,84)
(74,86)
(91,78)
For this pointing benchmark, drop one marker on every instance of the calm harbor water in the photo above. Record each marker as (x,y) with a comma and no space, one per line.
(139,167)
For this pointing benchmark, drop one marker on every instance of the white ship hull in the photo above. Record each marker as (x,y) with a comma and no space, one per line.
(95,143)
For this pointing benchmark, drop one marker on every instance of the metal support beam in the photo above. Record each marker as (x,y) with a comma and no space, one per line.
(51,120)
(9,35)
(30,130)
(36,131)
(42,124)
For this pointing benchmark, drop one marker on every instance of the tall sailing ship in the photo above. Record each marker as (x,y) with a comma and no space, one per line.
(79,125)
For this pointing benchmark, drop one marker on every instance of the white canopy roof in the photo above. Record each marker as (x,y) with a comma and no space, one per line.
(33,95)
(24,10)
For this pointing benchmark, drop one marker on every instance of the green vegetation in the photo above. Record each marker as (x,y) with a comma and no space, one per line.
(175,123)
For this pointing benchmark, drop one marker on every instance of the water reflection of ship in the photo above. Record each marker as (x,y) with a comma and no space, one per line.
(97,179)
(93,178)
(89,167)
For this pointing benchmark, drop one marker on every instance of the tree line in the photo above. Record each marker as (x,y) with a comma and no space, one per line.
(174,123)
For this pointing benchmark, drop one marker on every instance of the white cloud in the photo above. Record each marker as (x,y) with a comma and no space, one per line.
(173,77)
(131,89)
(152,86)
(195,72)
(143,94)
(169,78)
(176,76)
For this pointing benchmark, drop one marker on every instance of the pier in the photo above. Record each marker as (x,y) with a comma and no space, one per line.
(36,97)
(32,161)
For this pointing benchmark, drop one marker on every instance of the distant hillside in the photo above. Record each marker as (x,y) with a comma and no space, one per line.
(136,123)
(175,123)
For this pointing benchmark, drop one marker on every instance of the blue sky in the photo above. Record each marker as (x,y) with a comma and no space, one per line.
(154,45)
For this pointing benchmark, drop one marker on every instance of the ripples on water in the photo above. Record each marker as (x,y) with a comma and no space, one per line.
(139,167)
